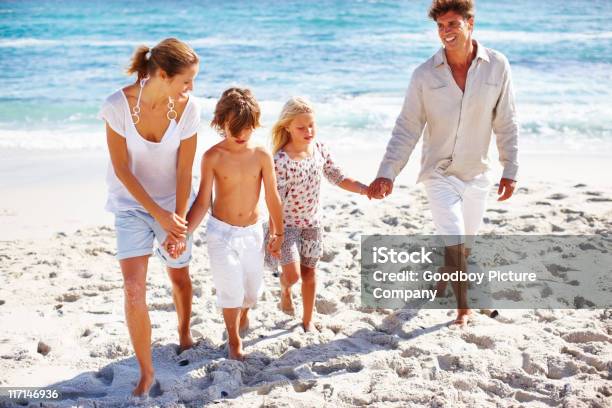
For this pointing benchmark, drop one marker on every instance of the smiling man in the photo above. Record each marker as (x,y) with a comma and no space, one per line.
(457,98)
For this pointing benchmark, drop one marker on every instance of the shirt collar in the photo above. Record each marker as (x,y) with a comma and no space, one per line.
(440,57)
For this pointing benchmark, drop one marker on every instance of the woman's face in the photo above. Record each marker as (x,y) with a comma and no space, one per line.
(302,128)
(182,83)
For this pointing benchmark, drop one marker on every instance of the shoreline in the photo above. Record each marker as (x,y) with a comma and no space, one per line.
(49,192)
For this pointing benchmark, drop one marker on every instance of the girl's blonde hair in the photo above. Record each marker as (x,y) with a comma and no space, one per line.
(294,107)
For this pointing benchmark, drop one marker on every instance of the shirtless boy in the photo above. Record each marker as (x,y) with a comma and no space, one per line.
(234,230)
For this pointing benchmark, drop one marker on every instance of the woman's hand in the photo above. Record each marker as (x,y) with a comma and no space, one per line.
(174,247)
(172,224)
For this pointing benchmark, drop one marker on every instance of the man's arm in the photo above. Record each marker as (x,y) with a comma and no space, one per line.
(404,137)
(406,133)
(505,127)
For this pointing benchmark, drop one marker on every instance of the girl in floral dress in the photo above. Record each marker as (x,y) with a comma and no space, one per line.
(300,162)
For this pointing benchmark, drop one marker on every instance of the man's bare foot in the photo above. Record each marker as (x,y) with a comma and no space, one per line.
(145,383)
(234,352)
(243,329)
(286,303)
(463,316)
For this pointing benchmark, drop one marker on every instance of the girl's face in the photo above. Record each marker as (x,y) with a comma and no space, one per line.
(302,128)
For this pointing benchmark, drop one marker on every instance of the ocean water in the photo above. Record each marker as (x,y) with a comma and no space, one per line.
(353,59)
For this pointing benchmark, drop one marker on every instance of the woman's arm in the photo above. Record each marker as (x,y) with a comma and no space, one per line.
(202,202)
(184,166)
(117,149)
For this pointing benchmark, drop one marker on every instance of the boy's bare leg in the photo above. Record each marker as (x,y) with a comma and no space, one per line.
(134,272)
(309,287)
(182,296)
(232,324)
(454,257)
(288,278)
(244,322)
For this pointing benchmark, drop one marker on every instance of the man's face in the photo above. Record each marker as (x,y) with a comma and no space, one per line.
(455,32)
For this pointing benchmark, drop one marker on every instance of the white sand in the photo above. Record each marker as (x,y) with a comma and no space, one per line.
(65,289)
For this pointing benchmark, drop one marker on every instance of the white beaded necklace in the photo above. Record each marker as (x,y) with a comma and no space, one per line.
(171,114)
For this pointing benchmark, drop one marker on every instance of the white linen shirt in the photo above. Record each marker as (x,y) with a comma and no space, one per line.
(153,164)
(457,126)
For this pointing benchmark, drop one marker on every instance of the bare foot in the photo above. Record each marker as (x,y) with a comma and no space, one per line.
(286,303)
(185,343)
(243,329)
(234,352)
(463,316)
(311,327)
(145,383)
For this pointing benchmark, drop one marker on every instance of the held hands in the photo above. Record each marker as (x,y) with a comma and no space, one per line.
(174,247)
(506,189)
(380,188)
(274,245)
(173,224)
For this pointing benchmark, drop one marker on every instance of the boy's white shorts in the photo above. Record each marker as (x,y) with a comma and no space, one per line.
(236,260)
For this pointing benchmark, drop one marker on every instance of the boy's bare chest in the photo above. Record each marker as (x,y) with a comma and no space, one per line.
(239,169)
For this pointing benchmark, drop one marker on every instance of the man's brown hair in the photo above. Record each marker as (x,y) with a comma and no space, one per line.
(441,7)
(238,108)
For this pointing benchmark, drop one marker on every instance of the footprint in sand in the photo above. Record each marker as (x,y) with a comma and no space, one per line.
(303,386)
(335,365)
(326,307)
(482,342)
(392,221)
(155,390)
(557,196)
(106,375)
(69,297)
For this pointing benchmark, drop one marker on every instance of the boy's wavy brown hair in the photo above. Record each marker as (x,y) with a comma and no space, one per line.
(238,108)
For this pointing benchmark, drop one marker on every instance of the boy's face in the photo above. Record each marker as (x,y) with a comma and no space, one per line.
(302,128)
(240,139)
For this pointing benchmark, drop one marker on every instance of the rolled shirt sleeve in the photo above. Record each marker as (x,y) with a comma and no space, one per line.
(505,126)
(407,131)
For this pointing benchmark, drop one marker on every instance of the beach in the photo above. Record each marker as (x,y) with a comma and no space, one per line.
(62,322)
(64,328)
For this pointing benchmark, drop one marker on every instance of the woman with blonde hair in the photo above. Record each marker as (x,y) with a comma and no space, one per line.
(151,131)
(300,162)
